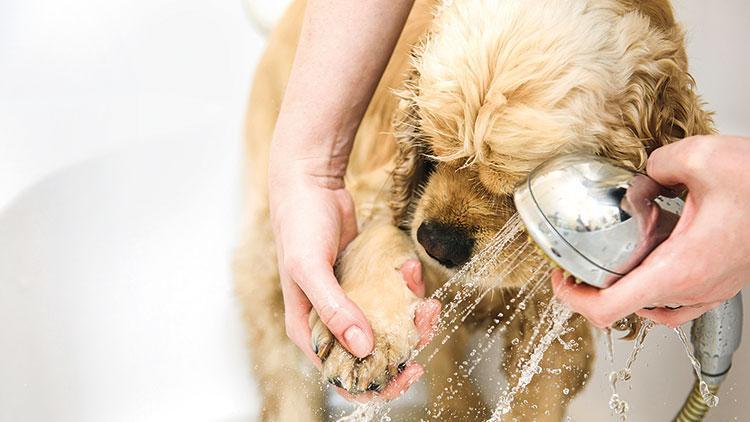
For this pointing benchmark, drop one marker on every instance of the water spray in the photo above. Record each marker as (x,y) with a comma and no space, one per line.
(598,220)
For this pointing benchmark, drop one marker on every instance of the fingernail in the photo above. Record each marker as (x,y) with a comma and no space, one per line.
(358,343)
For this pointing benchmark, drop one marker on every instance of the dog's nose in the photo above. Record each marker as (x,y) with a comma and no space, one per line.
(449,245)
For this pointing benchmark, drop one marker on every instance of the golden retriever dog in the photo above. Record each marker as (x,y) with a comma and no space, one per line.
(476,94)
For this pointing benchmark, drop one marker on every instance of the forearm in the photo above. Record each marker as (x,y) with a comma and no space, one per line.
(343,49)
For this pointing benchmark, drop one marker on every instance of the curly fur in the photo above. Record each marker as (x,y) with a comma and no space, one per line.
(536,79)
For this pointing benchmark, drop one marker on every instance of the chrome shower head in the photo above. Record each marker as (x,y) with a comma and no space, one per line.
(593,217)
(599,220)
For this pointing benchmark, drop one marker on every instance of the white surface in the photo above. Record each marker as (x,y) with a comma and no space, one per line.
(120,151)
(119,166)
(116,302)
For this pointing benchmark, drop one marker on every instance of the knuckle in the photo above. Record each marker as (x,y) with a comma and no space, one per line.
(699,152)
(330,315)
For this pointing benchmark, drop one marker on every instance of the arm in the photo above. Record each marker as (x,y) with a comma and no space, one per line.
(343,50)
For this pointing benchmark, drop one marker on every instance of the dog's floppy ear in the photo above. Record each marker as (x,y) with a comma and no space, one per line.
(660,104)
(410,165)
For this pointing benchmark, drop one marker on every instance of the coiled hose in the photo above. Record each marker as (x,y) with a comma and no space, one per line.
(695,409)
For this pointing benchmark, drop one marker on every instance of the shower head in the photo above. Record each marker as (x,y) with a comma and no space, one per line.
(593,217)
(598,220)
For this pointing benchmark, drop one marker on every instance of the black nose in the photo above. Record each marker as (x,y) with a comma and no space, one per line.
(449,245)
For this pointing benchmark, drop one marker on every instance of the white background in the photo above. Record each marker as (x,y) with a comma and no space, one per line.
(120,158)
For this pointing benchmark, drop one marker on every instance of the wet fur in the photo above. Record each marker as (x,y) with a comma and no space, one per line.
(472,100)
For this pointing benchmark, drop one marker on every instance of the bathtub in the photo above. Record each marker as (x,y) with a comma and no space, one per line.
(115,295)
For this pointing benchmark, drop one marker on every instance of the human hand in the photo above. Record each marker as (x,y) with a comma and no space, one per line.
(307,277)
(425,319)
(313,220)
(706,259)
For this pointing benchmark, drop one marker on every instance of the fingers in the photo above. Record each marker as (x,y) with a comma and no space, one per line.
(411,270)
(398,386)
(402,382)
(425,319)
(428,311)
(674,318)
(342,316)
(681,162)
(348,218)
(602,307)
(297,309)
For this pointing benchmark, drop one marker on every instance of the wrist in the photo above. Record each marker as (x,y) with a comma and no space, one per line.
(326,173)
(310,160)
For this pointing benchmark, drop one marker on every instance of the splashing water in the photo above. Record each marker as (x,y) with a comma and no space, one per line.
(709,398)
(619,406)
(466,284)
(374,410)
(558,326)
(610,356)
(467,367)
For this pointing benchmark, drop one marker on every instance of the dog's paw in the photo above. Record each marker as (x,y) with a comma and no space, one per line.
(372,373)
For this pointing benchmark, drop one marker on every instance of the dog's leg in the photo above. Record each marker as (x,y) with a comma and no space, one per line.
(368,271)
(288,392)
(563,372)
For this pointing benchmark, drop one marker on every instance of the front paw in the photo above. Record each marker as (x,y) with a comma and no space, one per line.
(390,355)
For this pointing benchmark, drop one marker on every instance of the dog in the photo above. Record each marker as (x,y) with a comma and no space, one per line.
(476,95)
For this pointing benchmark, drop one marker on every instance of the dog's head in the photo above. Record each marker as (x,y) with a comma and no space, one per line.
(497,87)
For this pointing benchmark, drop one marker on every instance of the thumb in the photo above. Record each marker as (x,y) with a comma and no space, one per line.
(342,316)
(426,319)
(348,216)
(678,163)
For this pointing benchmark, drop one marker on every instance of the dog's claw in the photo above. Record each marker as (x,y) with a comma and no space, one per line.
(372,373)
(336,381)
(374,387)
(321,340)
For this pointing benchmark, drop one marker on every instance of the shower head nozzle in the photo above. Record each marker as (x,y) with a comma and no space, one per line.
(593,217)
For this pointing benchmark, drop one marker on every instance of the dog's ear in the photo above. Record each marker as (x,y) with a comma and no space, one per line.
(660,104)
(411,168)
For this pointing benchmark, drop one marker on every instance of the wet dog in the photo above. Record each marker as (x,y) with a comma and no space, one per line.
(477,93)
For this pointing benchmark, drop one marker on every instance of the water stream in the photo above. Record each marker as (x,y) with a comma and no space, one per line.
(619,406)
(709,398)
(461,294)
(464,291)
(559,315)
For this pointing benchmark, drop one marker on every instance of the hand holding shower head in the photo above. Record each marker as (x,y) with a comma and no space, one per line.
(599,220)
(593,217)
